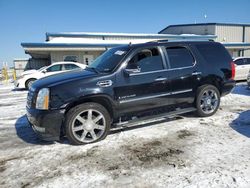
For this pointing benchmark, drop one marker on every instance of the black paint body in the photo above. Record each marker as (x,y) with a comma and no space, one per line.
(130,93)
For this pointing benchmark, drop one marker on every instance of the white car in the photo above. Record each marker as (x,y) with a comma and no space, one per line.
(248,79)
(242,67)
(28,77)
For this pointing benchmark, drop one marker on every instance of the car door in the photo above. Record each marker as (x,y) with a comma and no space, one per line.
(247,64)
(240,69)
(183,73)
(54,69)
(143,83)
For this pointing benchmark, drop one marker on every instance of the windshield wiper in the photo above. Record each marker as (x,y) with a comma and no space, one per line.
(92,68)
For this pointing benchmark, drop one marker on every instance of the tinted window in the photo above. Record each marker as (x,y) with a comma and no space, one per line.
(109,59)
(239,62)
(147,60)
(179,57)
(72,58)
(54,68)
(70,66)
(214,53)
(248,61)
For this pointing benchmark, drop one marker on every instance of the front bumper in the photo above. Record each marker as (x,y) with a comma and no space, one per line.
(46,123)
(19,83)
(16,84)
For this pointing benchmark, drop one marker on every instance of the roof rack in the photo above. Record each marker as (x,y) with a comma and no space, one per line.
(180,40)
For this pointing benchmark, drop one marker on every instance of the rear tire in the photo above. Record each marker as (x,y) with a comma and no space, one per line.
(29,82)
(207,100)
(87,123)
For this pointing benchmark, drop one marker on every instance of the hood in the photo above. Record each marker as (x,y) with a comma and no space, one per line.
(29,72)
(62,78)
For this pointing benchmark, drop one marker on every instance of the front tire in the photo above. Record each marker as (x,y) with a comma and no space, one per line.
(29,82)
(87,123)
(207,100)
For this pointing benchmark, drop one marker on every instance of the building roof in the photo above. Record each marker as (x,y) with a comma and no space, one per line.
(102,35)
(82,40)
(204,24)
(237,45)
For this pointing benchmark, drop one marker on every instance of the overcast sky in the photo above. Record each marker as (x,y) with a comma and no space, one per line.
(29,20)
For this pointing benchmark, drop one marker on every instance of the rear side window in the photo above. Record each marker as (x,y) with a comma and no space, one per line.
(70,66)
(179,57)
(248,61)
(214,53)
(239,62)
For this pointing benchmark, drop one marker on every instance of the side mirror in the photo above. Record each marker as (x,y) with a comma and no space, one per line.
(132,71)
(44,71)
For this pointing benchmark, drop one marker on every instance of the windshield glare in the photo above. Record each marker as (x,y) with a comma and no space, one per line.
(109,59)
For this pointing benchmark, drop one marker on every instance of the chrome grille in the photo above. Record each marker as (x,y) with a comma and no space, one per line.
(30,98)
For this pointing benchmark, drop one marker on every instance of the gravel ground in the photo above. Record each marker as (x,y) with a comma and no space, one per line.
(183,152)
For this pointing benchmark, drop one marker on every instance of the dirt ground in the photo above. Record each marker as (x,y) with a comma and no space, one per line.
(183,152)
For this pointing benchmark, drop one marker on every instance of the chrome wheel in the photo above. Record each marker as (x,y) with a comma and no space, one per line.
(88,125)
(30,83)
(209,101)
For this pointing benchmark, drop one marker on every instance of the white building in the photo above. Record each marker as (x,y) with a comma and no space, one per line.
(235,37)
(85,47)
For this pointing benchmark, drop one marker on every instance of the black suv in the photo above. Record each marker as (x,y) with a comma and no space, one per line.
(130,84)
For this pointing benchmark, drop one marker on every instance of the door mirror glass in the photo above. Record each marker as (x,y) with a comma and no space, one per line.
(132,70)
(44,71)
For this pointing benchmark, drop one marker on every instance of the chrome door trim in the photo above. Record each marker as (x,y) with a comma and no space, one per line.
(154,96)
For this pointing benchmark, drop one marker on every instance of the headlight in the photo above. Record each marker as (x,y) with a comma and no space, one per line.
(42,100)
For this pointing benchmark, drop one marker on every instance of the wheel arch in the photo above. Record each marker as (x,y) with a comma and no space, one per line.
(212,80)
(101,99)
(28,80)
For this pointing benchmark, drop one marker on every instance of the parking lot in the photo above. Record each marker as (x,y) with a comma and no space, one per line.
(183,152)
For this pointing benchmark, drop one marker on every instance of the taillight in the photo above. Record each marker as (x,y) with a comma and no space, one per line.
(233,70)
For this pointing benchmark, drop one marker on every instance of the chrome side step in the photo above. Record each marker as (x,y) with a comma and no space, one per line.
(151,119)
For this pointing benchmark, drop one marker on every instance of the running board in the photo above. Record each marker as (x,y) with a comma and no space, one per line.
(151,119)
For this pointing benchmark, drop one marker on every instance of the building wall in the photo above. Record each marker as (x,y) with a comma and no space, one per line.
(192,29)
(57,56)
(247,34)
(229,33)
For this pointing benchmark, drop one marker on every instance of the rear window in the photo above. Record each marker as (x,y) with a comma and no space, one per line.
(214,53)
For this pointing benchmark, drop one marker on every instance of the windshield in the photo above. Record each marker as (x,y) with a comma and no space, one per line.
(109,59)
(41,68)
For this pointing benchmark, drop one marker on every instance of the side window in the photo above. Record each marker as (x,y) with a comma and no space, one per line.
(72,58)
(239,62)
(146,60)
(248,61)
(54,68)
(179,57)
(70,66)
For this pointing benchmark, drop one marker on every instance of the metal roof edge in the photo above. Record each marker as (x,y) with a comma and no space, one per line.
(200,24)
(235,44)
(82,34)
(66,45)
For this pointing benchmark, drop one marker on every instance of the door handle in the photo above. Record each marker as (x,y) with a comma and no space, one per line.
(196,73)
(160,79)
